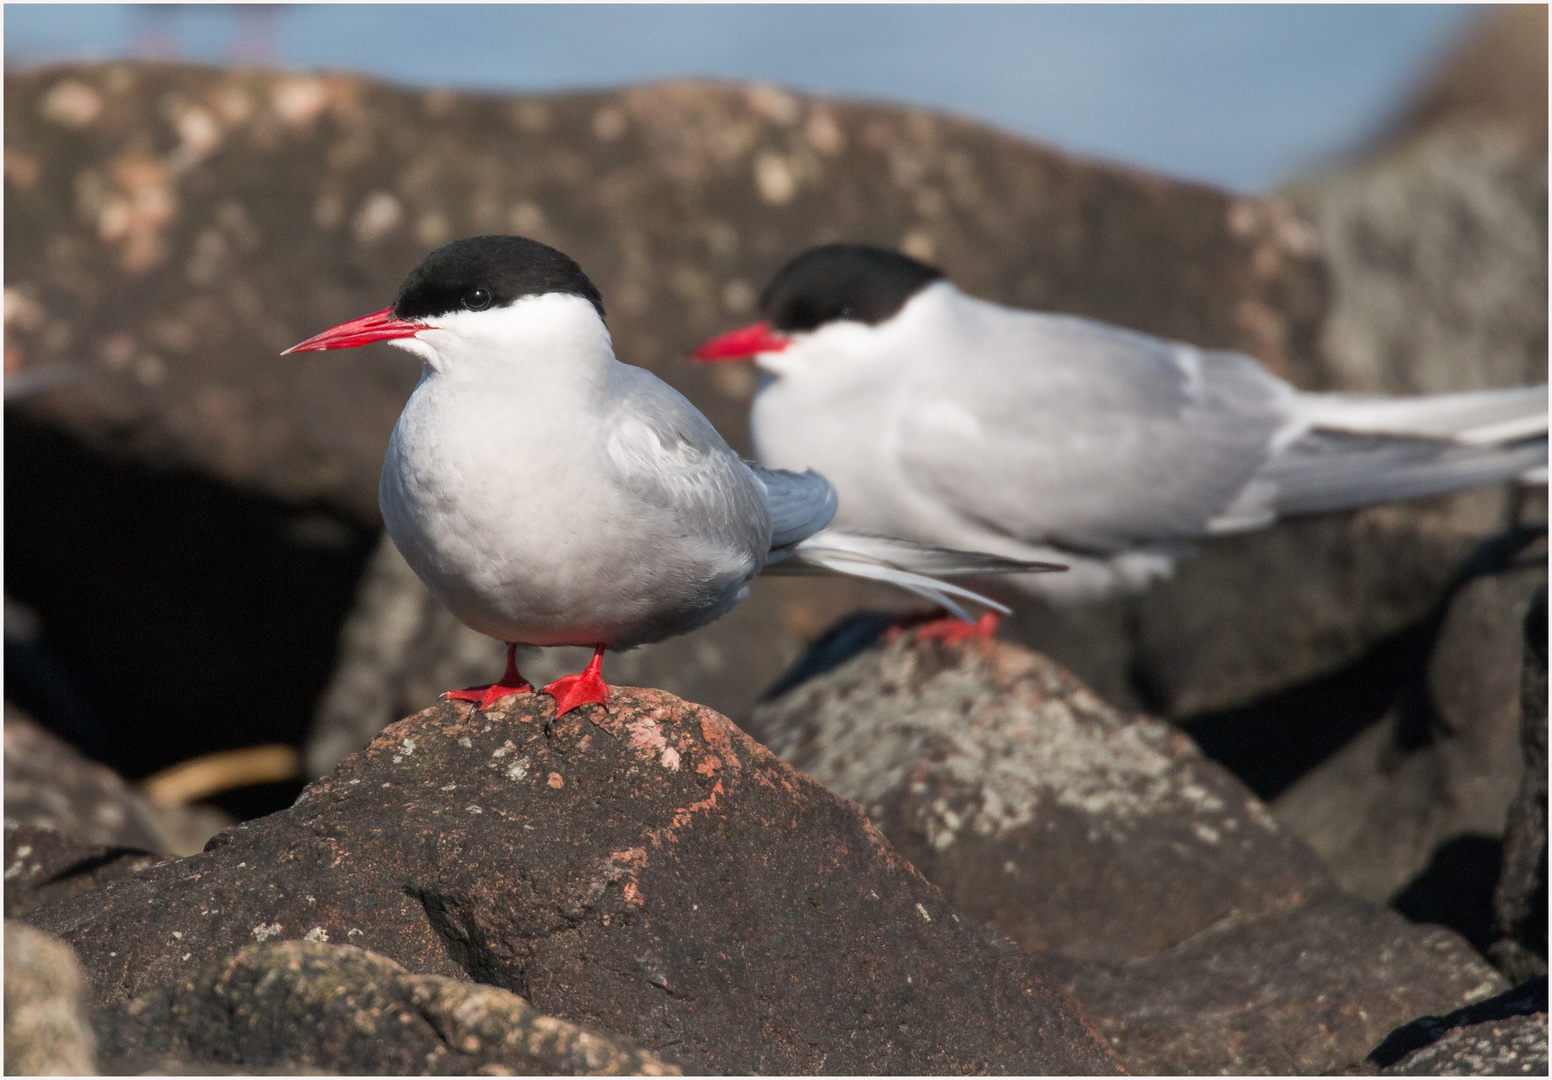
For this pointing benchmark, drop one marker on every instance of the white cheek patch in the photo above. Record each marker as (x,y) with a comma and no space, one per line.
(421,350)
(833,344)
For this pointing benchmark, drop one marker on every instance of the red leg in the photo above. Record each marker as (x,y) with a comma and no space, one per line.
(486,696)
(948,630)
(585,688)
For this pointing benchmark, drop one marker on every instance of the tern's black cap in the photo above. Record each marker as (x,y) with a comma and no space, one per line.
(842,281)
(490,271)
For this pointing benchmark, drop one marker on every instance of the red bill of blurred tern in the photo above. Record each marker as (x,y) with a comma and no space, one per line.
(953,421)
(549,494)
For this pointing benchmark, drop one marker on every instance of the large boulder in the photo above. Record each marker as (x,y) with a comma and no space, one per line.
(1199,934)
(1072,826)
(650,871)
(1309,990)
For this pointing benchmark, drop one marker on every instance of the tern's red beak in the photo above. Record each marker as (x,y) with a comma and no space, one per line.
(742,344)
(379,326)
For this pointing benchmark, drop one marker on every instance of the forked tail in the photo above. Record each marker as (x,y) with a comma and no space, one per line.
(1344,451)
(917,568)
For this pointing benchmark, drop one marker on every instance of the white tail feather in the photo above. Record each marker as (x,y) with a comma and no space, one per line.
(900,563)
(1476,418)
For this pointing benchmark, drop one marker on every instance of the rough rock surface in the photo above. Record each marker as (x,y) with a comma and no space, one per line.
(47,1032)
(307,1007)
(989,767)
(1199,935)
(49,785)
(1437,248)
(1520,901)
(1502,1036)
(42,864)
(1436,236)
(1245,618)
(1309,990)
(1444,765)
(1513,1047)
(652,871)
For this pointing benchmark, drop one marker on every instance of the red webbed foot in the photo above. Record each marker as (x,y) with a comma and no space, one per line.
(949,630)
(584,688)
(486,696)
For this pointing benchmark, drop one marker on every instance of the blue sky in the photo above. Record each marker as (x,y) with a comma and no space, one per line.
(1242,96)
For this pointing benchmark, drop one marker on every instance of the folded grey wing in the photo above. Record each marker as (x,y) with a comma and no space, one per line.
(1091,439)
(668,456)
(800,504)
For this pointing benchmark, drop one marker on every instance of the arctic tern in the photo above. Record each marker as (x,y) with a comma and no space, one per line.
(953,421)
(549,494)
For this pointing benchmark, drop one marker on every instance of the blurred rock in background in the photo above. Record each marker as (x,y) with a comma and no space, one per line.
(48,1029)
(49,785)
(193,521)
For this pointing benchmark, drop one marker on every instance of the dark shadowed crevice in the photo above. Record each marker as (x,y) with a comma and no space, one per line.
(1455,889)
(178,616)
(1310,721)
(1527,999)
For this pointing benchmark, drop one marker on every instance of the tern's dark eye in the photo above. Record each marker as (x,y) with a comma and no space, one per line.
(476,299)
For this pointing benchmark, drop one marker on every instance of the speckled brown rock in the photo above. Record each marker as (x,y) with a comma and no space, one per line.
(652,872)
(1513,1047)
(1072,826)
(1309,990)
(1200,936)
(1502,1036)
(306,1007)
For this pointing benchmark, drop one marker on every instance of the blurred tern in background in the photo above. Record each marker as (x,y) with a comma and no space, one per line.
(953,421)
(549,494)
